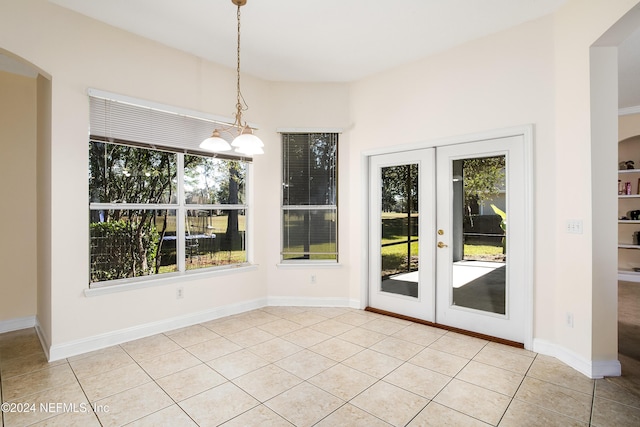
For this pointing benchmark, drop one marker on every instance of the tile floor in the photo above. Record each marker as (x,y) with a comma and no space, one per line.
(283,366)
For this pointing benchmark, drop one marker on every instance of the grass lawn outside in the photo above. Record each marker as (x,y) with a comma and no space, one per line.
(394,258)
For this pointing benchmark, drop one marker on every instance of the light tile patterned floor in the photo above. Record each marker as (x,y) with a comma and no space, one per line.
(283,366)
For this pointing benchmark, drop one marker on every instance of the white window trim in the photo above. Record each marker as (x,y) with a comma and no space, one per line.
(97,93)
(292,265)
(296,263)
(310,130)
(168,279)
(182,275)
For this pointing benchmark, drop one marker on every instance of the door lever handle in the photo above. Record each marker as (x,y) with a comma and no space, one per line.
(442,245)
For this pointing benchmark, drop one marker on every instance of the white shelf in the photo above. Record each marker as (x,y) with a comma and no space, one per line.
(629,275)
(628,254)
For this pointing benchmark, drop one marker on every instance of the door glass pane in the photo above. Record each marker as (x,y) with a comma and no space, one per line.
(479,234)
(399,222)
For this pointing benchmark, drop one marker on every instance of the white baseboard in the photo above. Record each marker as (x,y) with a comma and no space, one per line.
(16,324)
(313,302)
(97,342)
(44,340)
(590,368)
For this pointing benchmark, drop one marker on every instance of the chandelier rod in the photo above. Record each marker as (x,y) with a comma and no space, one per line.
(241,104)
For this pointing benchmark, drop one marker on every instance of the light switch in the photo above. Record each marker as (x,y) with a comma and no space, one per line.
(574,226)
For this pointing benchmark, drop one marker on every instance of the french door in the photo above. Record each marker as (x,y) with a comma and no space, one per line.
(402,215)
(440,247)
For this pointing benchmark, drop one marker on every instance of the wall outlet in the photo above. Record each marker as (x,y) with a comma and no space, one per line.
(574,226)
(180,293)
(569,320)
(312,279)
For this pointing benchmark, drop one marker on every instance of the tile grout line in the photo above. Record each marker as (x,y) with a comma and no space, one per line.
(364,348)
(154,380)
(1,395)
(554,384)
(260,403)
(345,402)
(517,389)
(84,392)
(404,362)
(526,375)
(451,380)
(593,403)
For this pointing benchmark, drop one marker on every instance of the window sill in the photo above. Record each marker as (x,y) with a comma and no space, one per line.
(308,264)
(168,279)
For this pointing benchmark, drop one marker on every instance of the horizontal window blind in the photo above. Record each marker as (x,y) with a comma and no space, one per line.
(309,169)
(124,123)
(309,197)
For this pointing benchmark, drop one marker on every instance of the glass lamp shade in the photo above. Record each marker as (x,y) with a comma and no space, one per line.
(215,143)
(249,150)
(248,142)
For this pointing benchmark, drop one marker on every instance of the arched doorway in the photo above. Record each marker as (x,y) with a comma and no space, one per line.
(606,86)
(25,132)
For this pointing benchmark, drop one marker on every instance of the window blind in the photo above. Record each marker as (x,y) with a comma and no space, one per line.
(309,197)
(309,169)
(124,123)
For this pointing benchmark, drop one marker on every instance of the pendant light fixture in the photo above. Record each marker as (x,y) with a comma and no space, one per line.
(245,142)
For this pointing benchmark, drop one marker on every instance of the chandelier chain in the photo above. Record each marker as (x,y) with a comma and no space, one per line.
(244,141)
(239,94)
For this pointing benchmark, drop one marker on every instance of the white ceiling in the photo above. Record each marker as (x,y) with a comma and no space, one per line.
(327,40)
(314,40)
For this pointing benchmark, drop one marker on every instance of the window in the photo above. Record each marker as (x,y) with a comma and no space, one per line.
(309,197)
(158,210)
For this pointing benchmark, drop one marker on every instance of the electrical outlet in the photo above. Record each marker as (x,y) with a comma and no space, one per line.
(574,226)
(312,279)
(180,293)
(569,320)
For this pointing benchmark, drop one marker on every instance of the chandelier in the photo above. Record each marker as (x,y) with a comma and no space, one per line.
(245,142)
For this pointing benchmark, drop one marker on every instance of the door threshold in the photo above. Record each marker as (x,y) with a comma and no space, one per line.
(448,328)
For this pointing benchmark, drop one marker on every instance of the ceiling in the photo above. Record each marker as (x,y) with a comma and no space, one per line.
(328,40)
(314,40)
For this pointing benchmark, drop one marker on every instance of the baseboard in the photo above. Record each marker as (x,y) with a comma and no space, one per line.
(606,368)
(590,368)
(313,302)
(16,324)
(97,342)
(44,340)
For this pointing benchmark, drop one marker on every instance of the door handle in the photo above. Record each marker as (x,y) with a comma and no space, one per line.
(442,245)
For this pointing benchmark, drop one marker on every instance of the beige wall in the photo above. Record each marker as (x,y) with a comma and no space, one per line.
(308,106)
(18,251)
(537,73)
(44,206)
(629,126)
(500,81)
(585,282)
(79,54)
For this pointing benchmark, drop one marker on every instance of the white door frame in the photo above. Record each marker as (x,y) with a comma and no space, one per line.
(422,306)
(526,132)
